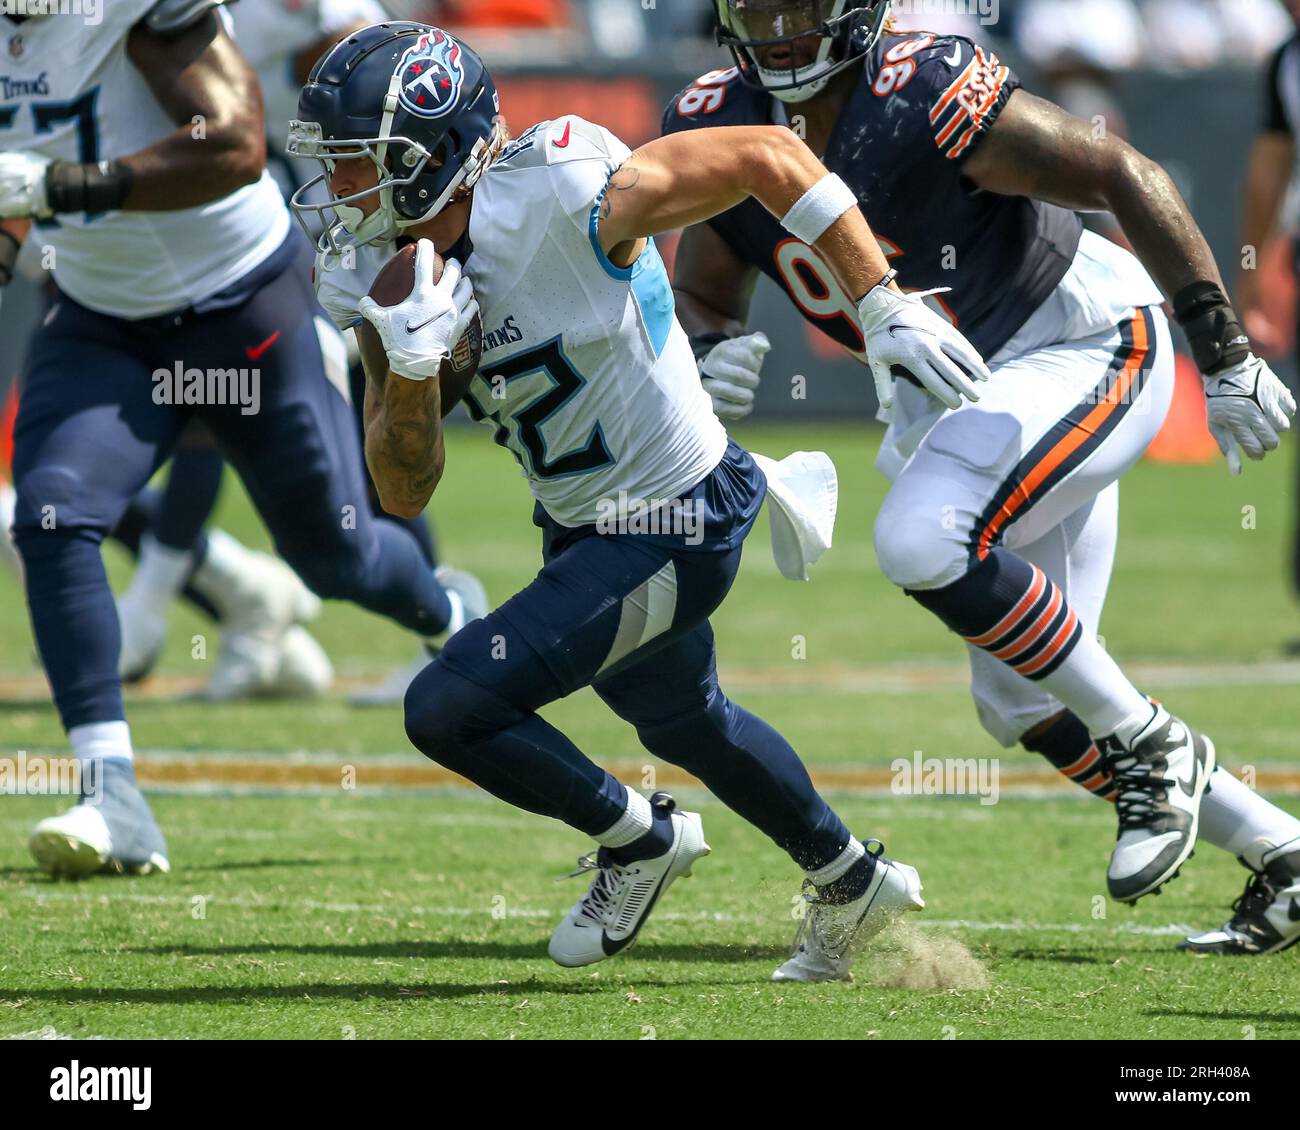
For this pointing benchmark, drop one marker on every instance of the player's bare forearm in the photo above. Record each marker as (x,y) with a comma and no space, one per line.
(711,284)
(686,178)
(403,428)
(404,446)
(208,89)
(1036,149)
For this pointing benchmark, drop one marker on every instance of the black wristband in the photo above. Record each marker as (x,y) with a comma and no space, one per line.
(702,344)
(72,187)
(1218,342)
(9,248)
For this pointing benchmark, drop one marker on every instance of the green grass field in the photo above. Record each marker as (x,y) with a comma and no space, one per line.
(305,909)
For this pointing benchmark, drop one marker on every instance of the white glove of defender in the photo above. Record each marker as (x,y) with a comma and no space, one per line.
(900,329)
(420,332)
(22,186)
(729,373)
(1247,407)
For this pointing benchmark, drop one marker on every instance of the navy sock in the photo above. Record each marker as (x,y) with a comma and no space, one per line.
(654,842)
(1066,743)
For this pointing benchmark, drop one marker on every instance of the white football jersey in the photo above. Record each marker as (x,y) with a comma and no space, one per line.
(586,376)
(69,91)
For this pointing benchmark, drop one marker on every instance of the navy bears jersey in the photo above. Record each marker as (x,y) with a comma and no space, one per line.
(919,110)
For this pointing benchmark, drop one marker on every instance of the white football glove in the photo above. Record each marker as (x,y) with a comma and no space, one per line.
(729,373)
(420,332)
(1247,407)
(900,329)
(22,186)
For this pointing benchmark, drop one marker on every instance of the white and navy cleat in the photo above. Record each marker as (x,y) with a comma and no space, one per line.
(111,830)
(832,931)
(1266,918)
(608,918)
(1159,786)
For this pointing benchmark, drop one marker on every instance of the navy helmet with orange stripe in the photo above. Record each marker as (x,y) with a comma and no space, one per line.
(791,48)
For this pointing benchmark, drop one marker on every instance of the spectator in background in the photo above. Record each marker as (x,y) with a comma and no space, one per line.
(1270,171)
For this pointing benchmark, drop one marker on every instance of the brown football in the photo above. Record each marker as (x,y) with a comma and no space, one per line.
(393,284)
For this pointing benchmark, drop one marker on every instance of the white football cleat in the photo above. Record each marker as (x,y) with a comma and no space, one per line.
(609,916)
(255,593)
(1159,785)
(305,670)
(111,830)
(1266,917)
(468,601)
(830,934)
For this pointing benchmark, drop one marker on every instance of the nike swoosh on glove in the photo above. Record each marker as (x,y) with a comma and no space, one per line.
(420,332)
(22,186)
(730,372)
(902,332)
(1248,406)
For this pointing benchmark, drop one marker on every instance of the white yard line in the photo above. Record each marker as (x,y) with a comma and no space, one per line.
(216,901)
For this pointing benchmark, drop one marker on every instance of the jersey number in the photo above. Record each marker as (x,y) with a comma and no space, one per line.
(708,93)
(47,115)
(567,382)
(899,68)
(810,282)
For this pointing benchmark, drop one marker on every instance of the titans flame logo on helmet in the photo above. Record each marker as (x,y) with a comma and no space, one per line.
(431,76)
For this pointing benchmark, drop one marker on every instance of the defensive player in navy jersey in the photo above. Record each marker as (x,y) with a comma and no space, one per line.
(172,250)
(1001,519)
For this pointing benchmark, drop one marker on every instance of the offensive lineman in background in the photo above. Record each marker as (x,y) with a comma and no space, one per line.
(264,651)
(1002,516)
(170,250)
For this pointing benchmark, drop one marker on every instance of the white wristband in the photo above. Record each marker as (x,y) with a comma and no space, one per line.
(818,208)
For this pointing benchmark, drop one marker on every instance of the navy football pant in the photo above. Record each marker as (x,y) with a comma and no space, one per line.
(631,619)
(89,436)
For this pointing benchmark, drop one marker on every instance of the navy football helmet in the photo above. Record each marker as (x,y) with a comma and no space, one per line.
(416,102)
(847,31)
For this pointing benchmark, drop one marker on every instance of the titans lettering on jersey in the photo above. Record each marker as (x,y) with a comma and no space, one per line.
(918,111)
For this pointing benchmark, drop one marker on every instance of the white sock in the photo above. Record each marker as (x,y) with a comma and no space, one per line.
(838,867)
(1234,816)
(1091,684)
(159,574)
(632,825)
(97,740)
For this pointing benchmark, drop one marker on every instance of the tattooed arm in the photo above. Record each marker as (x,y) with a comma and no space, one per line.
(403,426)
(684,178)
